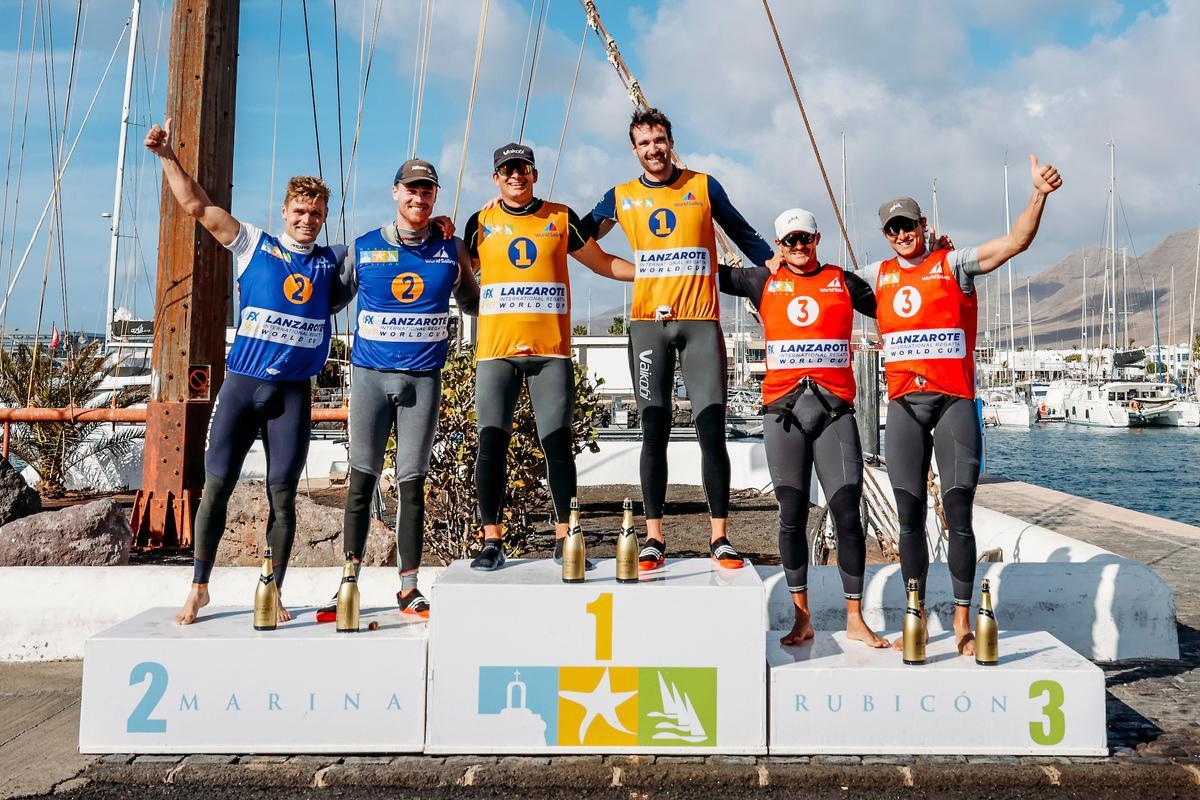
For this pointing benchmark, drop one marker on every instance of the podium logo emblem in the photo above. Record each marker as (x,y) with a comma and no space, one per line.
(599,706)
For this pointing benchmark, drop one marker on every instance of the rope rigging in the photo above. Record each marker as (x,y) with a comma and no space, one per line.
(533,65)
(21,157)
(275,122)
(570,101)
(811,138)
(634,91)
(462,161)
(312,89)
(419,76)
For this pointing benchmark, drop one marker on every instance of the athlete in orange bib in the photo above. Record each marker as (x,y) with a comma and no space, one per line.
(927,315)
(667,215)
(807,310)
(521,246)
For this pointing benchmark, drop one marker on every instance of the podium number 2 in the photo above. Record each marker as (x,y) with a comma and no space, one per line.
(601,607)
(139,720)
(1054,728)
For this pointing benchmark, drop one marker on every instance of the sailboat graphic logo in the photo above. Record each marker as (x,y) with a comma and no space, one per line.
(678,720)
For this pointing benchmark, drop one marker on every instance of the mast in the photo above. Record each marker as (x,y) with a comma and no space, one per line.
(1083,321)
(842,241)
(1029,319)
(1125,294)
(1012,344)
(135,14)
(1112,249)
(1191,367)
(1157,342)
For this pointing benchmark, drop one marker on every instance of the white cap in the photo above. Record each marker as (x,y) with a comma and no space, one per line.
(794,219)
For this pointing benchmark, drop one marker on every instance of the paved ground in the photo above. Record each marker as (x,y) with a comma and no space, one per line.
(1153,718)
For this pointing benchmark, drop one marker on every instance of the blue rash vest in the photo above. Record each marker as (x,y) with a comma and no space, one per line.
(283,331)
(403,302)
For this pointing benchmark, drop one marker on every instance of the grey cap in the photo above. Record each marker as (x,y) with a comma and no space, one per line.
(415,170)
(899,207)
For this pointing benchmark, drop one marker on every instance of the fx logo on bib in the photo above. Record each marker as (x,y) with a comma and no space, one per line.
(803,311)
(907,301)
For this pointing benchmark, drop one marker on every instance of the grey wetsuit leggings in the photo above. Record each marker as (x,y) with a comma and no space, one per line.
(382,403)
(699,347)
(551,383)
(814,425)
(919,425)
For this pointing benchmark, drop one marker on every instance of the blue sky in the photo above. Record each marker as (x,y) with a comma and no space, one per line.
(943,89)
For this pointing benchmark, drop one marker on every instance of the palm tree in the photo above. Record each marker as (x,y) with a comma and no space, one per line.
(30,377)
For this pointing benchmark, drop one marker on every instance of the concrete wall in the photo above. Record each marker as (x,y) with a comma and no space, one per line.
(1108,609)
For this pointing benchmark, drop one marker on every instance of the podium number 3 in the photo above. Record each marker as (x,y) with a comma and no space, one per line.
(601,608)
(1054,728)
(139,720)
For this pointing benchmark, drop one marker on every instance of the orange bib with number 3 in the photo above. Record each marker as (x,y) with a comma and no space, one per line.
(928,325)
(807,322)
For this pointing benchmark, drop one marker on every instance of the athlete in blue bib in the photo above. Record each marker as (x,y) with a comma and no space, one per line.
(285,292)
(404,274)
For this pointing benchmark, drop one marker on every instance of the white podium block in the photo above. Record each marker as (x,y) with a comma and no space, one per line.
(219,686)
(521,662)
(836,695)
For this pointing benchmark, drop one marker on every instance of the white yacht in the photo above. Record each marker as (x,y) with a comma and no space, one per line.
(1185,414)
(1121,404)
(1003,407)
(1049,399)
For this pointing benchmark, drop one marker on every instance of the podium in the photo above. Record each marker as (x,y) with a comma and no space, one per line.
(521,662)
(219,686)
(835,695)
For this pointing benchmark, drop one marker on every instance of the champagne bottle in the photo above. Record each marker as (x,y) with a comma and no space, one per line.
(914,627)
(266,597)
(574,560)
(987,633)
(347,599)
(627,546)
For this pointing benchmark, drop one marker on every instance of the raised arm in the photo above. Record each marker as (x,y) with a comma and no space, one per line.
(189,194)
(997,252)
(736,226)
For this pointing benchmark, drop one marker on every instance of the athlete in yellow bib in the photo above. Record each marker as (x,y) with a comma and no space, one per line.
(667,214)
(521,247)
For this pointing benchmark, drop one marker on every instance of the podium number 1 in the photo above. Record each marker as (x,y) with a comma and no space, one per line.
(601,607)
(1054,728)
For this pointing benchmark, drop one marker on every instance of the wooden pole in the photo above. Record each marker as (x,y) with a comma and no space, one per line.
(193,273)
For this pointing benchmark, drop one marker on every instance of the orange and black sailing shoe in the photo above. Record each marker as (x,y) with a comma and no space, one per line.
(414,604)
(653,555)
(724,554)
(328,612)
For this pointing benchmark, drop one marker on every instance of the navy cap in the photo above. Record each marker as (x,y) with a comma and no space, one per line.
(512,152)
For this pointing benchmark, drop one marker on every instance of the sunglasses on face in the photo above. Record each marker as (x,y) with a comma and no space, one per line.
(799,239)
(900,225)
(515,168)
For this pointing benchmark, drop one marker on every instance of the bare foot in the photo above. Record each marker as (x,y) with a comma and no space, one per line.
(282,614)
(899,643)
(802,630)
(857,629)
(964,640)
(197,599)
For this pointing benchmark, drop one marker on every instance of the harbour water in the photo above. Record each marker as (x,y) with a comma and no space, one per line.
(1153,470)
